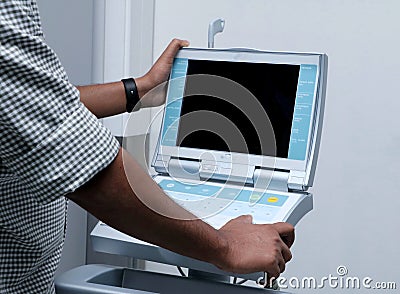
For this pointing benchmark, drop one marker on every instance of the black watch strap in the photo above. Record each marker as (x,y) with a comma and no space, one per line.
(131,93)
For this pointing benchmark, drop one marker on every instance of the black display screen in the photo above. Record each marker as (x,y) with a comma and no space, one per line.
(273,85)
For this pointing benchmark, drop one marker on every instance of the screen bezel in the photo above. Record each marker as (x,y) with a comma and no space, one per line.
(245,55)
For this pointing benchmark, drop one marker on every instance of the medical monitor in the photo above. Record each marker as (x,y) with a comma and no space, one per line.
(287,90)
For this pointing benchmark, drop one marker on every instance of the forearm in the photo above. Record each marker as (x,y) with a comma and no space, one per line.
(109,197)
(109,99)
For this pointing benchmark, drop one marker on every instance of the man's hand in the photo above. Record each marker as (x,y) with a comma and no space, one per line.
(252,248)
(160,71)
(157,75)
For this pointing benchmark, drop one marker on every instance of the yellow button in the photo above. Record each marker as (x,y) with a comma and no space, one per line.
(273,199)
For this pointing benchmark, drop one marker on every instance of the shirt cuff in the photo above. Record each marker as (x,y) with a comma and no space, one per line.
(79,149)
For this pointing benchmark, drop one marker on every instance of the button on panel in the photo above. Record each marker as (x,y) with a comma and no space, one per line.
(273,199)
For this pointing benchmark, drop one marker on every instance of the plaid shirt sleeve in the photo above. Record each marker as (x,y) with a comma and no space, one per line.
(49,140)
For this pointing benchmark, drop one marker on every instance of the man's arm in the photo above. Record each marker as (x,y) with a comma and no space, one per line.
(126,198)
(109,99)
(114,196)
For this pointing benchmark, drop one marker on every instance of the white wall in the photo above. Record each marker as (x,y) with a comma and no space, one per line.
(68,29)
(355,222)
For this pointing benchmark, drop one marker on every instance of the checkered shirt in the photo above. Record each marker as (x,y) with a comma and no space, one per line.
(50,145)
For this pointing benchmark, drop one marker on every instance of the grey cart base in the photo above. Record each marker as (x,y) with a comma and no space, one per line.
(102,279)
